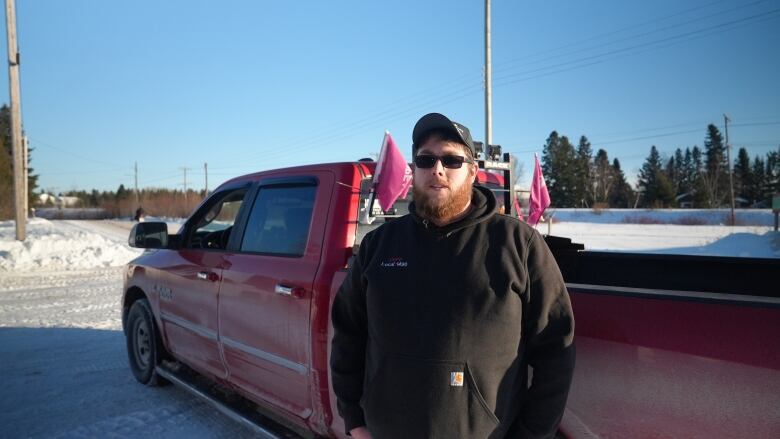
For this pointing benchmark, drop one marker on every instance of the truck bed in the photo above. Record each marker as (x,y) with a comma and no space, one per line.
(673,346)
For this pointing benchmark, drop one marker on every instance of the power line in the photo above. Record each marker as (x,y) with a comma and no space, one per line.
(313,142)
(428,97)
(597,142)
(504,80)
(629,38)
(94,171)
(163,178)
(39,142)
(417,100)
(185,169)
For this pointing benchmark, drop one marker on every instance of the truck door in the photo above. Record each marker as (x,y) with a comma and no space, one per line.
(188,286)
(266,293)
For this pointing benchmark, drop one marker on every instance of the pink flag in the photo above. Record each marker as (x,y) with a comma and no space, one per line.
(393,176)
(540,198)
(518,209)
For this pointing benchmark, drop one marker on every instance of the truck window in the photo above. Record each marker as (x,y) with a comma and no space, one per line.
(368,223)
(213,226)
(279,221)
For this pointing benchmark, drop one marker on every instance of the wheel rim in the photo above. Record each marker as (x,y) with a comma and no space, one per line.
(143,347)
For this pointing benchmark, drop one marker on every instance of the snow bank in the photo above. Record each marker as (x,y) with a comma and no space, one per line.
(690,217)
(740,241)
(60,246)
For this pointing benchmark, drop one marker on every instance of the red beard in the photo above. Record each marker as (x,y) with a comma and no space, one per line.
(445,209)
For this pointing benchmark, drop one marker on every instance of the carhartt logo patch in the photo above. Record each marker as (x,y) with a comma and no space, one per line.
(456,379)
(394,262)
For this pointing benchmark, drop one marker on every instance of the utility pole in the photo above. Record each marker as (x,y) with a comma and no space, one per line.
(185,169)
(206,173)
(16,120)
(488,82)
(25,162)
(731,178)
(137,197)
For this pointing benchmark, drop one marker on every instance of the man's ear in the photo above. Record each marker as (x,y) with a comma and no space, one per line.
(474,169)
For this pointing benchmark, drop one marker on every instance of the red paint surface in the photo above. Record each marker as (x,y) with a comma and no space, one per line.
(652,368)
(490,178)
(738,333)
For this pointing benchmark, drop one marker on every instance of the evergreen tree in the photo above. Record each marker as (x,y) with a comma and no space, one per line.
(668,183)
(665,194)
(698,166)
(742,176)
(603,177)
(678,171)
(671,172)
(648,178)
(6,173)
(758,186)
(6,168)
(6,184)
(688,173)
(584,189)
(699,187)
(559,166)
(715,176)
(122,193)
(621,194)
(772,173)
(94,198)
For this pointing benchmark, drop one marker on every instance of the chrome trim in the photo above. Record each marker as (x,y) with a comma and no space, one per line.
(697,295)
(284,291)
(193,327)
(222,408)
(267,356)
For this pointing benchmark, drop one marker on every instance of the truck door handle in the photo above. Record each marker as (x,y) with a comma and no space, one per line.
(296,292)
(208,275)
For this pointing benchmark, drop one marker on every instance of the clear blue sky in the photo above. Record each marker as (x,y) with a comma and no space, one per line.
(251,85)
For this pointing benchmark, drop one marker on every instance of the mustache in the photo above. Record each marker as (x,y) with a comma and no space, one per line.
(440,183)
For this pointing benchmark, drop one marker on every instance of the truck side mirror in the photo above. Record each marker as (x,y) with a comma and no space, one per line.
(149,235)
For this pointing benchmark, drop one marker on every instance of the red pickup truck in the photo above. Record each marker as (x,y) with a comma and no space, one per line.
(241,297)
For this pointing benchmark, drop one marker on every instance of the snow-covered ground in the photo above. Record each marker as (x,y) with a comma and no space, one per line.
(742,217)
(63,364)
(62,353)
(671,231)
(64,245)
(742,241)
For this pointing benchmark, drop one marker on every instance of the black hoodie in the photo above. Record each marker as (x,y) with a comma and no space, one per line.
(435,327)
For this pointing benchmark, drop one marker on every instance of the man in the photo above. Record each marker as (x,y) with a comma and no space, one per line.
(443,311)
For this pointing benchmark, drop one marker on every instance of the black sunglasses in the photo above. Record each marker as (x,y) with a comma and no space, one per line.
(426,161)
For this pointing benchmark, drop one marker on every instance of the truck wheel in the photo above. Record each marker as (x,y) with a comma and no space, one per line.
(144,347)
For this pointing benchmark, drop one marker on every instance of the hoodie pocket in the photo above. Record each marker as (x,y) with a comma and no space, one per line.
(421,398)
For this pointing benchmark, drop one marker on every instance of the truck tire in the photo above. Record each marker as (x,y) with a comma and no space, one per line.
(144,346)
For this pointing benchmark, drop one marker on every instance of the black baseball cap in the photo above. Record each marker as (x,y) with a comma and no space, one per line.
(436,121)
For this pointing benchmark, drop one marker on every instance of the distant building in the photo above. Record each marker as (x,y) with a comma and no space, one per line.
(685,201)
(45,198)
(68,201)
(58,201)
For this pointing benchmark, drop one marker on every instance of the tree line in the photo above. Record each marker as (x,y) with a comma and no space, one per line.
(577,178)
(693,177)
(7,168)
(123,202)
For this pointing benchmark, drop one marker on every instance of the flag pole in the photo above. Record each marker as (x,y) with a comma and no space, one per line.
(377,169)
